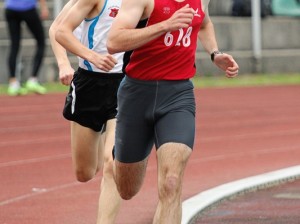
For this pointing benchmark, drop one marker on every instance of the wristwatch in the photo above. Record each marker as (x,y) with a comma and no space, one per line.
(212,55)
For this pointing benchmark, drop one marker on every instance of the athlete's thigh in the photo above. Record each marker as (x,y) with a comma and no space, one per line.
(129,177)
(86,146)
(174,141)
(176,127)
(134,132)
(132,148)
(134,141)
(175,120)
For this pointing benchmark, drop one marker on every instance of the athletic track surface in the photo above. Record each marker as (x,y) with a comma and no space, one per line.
(241,132)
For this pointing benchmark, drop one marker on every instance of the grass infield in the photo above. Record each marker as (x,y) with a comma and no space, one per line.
(247,80)
(205,81)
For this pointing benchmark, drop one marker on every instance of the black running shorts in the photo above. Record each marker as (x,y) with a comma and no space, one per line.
(92,98)
(153,112)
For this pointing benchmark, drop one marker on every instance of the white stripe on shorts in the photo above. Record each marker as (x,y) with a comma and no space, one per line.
(73,98)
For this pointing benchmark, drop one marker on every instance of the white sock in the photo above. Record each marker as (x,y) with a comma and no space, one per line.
(33,79)
(15,84)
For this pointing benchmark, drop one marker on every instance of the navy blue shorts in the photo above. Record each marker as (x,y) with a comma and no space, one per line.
(153,112)
(92,98)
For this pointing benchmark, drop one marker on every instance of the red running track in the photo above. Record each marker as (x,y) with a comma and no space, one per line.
(241,132)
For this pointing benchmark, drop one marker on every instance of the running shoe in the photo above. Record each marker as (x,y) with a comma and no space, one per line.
(16,90)
(33,86)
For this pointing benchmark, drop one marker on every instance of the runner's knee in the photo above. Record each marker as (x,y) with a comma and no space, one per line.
(127,193)
(169,186)
(129,177)
(127,188)
(84,175)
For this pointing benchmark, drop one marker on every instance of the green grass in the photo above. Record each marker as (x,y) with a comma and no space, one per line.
(52,87)
(206,81)
(56,87)
(247,80)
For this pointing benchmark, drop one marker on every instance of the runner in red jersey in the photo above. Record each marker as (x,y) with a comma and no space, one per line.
(156,103)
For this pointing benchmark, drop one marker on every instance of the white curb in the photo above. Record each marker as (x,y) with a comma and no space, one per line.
(199,202)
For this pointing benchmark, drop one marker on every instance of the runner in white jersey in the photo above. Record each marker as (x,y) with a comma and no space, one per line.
(91,102)
(97,27)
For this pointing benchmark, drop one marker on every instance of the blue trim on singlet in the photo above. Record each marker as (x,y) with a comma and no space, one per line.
(104,6)
(88,65)
(91,33)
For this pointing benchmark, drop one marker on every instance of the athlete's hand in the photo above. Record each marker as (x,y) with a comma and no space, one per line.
(104,62)
(66,73)
(182,18)
(226,63)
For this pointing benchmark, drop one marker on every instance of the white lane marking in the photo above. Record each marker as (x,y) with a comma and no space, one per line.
(34,160)
(39,191)
(196,204)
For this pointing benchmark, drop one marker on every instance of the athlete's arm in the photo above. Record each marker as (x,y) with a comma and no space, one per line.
(206,34)
(65,36)
(66,72)
(208,40)
(123,36)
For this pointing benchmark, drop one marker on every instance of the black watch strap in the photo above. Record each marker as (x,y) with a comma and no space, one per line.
(213,54)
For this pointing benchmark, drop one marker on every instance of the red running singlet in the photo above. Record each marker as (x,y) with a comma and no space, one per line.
(172,55)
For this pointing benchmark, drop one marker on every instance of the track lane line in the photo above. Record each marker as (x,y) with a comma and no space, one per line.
(194,205)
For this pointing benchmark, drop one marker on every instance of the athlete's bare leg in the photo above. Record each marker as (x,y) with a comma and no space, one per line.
(129,177)
(171,159)
(87,151)
(110,200)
